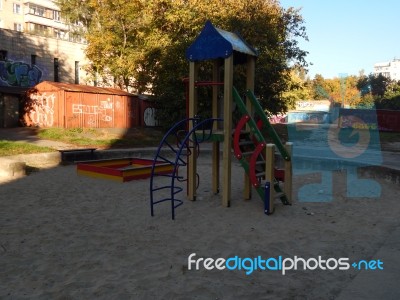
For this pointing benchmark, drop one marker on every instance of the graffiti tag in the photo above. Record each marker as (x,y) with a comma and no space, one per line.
(17,73)
(42,113)
(104,110)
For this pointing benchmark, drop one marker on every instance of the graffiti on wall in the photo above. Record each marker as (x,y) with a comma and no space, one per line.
(277,119)
(308,117)
(313,105)
(42,113)
(384,120)
(18,73)
(149,116)
(104,111)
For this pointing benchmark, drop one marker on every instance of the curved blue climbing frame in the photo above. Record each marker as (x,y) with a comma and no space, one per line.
(175,148)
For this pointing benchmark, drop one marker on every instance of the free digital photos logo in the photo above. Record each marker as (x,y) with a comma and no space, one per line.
(346,141)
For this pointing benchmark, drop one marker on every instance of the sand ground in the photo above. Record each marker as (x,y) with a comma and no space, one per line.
(64,236)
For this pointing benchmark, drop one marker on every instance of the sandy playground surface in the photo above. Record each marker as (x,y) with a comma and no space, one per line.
(64,236)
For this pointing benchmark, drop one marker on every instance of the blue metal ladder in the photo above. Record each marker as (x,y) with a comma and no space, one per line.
(185,142)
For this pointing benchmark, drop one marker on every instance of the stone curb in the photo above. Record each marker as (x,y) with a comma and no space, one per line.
(12,168)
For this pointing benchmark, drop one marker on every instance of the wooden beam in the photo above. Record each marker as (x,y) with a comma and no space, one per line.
(250,80)
(192,160)
(269,173)
(216,78)
(250,71)
(289,173)
(215,148)
(228,86)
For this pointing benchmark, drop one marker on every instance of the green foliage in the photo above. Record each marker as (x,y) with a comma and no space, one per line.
(392,90)
(141,44)
(366,102)
(374,84)
(384,92)
(102,138)
(391,97)
(76,136)
(342,90)
(8,148)
(392,103)
(298,87)
(319,88)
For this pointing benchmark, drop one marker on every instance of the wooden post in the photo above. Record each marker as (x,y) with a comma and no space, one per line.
(192,167)
(250,71)
(215,144)
(269,173)
(228,86)
(288,173)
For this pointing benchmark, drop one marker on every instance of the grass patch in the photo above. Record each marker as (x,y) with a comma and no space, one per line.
(8,148)
(103,138)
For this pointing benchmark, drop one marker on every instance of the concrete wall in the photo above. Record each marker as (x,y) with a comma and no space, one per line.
(18,70)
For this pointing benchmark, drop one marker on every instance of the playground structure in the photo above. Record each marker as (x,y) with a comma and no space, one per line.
(224,49)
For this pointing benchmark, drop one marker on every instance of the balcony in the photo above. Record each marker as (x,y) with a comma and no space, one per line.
(44,3)
(29,18)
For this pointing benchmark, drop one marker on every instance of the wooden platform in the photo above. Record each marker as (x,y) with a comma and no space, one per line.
(122,169)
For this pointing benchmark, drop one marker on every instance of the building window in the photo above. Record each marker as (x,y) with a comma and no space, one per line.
(36,10)
(3,55)
(16,8)
(60,34)
(56,70)
(18,27)
(76,72)
(56,15)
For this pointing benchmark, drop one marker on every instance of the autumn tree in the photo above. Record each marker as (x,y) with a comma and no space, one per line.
(342,90)
(319,88)
(140,45)
(299,87)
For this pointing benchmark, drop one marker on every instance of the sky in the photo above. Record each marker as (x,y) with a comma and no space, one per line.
(346,36)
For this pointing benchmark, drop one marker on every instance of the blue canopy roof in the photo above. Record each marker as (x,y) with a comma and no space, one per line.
(213,43)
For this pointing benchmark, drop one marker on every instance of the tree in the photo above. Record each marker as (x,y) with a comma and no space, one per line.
(141,44)
(341,90)
(374,84)
(392,90)
(378,84)
(298,87)
(391,97)
(319,88)
(384,93)
(344,90)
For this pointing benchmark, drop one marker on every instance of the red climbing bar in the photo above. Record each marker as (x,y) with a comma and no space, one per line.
(252,165)
(236,136)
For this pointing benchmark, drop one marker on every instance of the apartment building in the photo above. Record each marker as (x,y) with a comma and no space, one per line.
(40,17)
(36,44)
(389,69)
